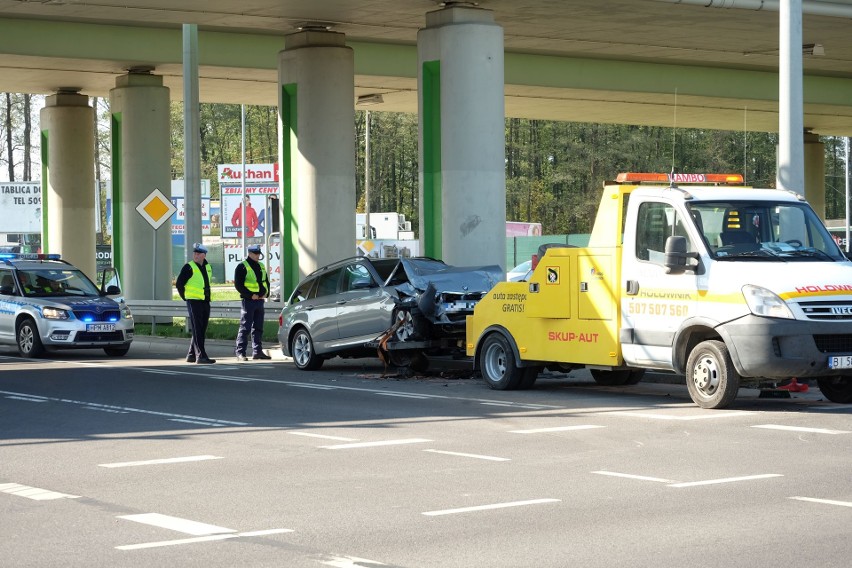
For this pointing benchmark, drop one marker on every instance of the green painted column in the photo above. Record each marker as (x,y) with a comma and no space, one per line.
(316,73)
(141,162)
(462,137)
(68,179)
(814,152)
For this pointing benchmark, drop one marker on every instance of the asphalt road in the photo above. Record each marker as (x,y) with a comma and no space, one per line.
(149,461)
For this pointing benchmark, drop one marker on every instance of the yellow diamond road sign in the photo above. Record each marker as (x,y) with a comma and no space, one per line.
(156,208)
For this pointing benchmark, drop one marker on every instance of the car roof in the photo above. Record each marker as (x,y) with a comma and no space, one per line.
(30,264)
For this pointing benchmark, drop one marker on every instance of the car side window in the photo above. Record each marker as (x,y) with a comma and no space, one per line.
(356,276)
(654,226)
(327,283)
(303,291)
(7,283)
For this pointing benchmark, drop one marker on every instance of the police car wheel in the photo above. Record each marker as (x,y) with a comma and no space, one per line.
(302,350)
(711,378)
(116,351)
(497,363)
(836,389)
(28,339)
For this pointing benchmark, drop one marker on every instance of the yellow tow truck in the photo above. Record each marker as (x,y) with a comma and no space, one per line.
(696,274)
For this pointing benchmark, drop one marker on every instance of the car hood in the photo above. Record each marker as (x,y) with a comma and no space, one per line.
(89,304)
(463,279)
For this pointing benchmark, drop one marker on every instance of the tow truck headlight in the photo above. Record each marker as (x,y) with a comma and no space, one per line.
(763,302)
(54,314)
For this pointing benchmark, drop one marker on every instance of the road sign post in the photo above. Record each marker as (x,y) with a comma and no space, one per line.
(156,209)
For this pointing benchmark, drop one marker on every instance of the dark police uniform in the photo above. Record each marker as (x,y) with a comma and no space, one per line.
(252,282)
(193,285)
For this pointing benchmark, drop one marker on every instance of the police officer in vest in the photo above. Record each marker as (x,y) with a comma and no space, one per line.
(252,282)
(193,285)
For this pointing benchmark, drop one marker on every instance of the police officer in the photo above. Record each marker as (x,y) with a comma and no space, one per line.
(252,282)
(193,285)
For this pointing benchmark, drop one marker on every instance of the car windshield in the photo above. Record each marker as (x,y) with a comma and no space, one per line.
(763,230)
(56,282)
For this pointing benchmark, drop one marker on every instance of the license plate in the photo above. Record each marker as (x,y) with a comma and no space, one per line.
(843,362)
(100,327)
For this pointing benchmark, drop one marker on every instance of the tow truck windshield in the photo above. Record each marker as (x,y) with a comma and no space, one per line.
(763,231)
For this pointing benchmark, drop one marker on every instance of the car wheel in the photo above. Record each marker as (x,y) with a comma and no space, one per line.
(836,389)
(116,351)
(28,339)
(410,327)
(711,378)
(302,349)
(497,363)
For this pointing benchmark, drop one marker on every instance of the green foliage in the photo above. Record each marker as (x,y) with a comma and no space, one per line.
(223,329)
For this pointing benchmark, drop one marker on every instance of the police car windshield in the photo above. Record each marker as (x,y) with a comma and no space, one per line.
(43,283)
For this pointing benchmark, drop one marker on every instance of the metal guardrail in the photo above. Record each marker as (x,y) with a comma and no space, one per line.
(177,309)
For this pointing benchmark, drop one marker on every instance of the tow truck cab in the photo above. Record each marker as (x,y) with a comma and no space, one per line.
(691,273)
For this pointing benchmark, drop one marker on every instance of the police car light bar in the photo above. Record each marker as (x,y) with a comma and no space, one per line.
(679,178)
(29,256)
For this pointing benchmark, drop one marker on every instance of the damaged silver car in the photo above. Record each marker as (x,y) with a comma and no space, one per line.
(347,308)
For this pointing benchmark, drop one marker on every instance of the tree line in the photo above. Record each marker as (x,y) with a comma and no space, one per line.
(554,170)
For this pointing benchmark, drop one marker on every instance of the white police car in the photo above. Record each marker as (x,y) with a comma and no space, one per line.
(47,303)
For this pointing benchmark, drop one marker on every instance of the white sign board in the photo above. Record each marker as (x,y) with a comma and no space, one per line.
(234,255)
(21,207)
(156,208)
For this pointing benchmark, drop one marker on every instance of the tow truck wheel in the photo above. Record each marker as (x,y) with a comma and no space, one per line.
(635,377)
(711,378)
(497,363)
(528,379)
(28,339)
(116,351)
(302,350)
(612,378)
(836,389)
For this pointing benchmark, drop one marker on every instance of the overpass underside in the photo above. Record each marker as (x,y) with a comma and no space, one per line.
(43,56)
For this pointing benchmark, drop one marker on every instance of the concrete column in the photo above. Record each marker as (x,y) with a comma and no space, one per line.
(814,156)
(141,152)
(68,179)
(316,72)
(462,137)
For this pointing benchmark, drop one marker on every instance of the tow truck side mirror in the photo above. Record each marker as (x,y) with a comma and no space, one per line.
(677,257)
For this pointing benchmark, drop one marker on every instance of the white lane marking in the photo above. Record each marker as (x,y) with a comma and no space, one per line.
(725,480)
(122,409)
(556,429)
(108,410)
(201,539)
(177,524)
(161,372)
(823,501)
(637,477)
(26,398)
(707,416)
(199,422)
(401,395)
(477,456)
(800,429)
(161,461)
(489,507)
(307,386)
(33,493)
(374,444)
(350,562)
(323,436)
(506,404)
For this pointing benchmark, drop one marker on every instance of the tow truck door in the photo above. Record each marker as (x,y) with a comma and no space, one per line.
(654,303)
